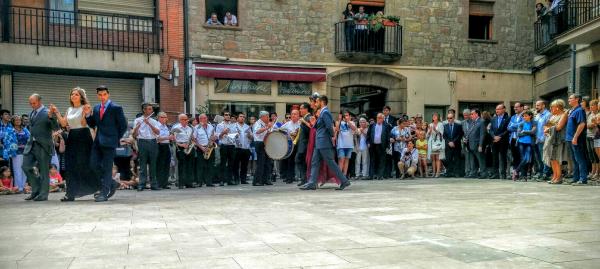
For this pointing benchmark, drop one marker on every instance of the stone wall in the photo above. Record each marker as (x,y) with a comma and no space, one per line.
(435,32)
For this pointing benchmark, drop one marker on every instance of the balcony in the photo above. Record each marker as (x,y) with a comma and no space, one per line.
(82,30)
(368,43)
(572,22)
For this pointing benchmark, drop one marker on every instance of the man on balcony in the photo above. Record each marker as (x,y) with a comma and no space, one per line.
(361,29)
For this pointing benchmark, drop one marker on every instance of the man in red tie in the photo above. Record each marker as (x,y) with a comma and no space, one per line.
(110,123)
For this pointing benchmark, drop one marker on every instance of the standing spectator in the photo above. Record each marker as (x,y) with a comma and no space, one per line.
(592,132)
(361,29)
(408,161)
(513,126)
(486,117)
(163,161)
(348,18)
(475,142)
(453,134)
(435,140)
(556,149)
(230,19)
(540,10)
(362,156)
(379,134)
(541,118)
(213,20)
(467,125)
(576,135)
(25,119)
(389,158)
(345,141)
(17,141)
(526,133)
(500,137)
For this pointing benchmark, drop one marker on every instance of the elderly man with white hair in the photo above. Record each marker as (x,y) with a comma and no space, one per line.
(260,129)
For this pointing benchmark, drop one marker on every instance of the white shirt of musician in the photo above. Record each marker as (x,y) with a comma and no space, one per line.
(164,131)
(290,127)
(243,130)
(203,134)
(145,132)
(229,138)
(258,125)
(182,137)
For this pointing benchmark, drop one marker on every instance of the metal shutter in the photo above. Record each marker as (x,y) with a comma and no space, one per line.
(55,89)
(143,8)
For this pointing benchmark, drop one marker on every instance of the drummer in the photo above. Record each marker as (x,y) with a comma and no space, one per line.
(287,165)
(264,164)
(227,132)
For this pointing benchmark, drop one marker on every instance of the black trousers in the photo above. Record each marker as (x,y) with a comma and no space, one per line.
(185,170)
(226,165)
(264,164)
(477,159)
(240,165)
(163,163)
(452,162)
(499,151)
(396,159)
(301,167)
(288,167)
(205,168)
(378,159)
(516,154)
(387,169)
(147,154)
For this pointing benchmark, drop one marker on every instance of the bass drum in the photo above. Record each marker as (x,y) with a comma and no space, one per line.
(278,145)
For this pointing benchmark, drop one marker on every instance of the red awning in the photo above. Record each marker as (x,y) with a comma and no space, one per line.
(253,72)
(370,3)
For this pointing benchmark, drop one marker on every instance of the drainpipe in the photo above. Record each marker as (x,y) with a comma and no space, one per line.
(574,89)
(186,57)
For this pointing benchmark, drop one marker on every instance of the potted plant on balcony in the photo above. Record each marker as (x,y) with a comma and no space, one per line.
(379,21)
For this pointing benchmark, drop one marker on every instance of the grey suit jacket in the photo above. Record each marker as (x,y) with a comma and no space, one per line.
(324,130)
(476,134)
(41,128)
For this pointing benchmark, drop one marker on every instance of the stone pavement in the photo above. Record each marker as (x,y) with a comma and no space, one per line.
(433,223)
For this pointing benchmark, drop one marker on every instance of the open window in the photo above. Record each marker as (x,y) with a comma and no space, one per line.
(226,12)
(481,15)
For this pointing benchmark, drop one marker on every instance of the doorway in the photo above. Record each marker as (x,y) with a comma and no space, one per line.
(361,99)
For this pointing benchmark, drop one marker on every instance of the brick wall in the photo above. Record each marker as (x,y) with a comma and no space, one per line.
(171,97)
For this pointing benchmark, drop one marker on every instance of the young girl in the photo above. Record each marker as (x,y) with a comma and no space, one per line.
(6,181)
(56,180)
(422,148)
(526,132)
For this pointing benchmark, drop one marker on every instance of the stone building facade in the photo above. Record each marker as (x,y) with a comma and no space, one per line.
(438,56)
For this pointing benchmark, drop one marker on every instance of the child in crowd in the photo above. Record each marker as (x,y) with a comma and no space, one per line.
(124,184)
(6,181)
(422,148)
(56,180)
(526,132)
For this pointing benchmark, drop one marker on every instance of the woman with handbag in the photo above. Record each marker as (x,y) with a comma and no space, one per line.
(435,140)
(78,146)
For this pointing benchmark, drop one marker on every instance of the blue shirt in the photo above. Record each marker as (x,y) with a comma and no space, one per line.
(576,117)
(526,126)
(513,126)
(541,119)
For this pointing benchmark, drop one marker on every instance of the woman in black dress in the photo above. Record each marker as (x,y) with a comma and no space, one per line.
(80,181)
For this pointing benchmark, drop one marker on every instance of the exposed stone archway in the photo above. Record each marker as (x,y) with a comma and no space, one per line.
(367,76)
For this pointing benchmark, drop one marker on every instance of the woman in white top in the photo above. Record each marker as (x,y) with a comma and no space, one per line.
(435,138)
(362,150)
(80,181)
(345,129)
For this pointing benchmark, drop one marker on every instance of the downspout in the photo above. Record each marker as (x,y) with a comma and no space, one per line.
(186,61)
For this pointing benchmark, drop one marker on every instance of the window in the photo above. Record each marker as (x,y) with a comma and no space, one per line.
(62,11)
(220,8)
(243,86)
(481,15)
(250,109)
(294,88)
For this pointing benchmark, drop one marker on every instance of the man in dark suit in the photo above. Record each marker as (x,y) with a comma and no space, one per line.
(499,132)
(453,133)
(324,150)
(379,140)
(110,123)
(475,142)
(391,122)
(39,148)
(302,143)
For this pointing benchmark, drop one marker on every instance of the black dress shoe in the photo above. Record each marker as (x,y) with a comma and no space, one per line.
(244,182)
(257,184)
(231,183)
(308,187)
(343,186)
(67,199)
(30,197)
(166,187)
(101,198)
(40,198)
(210,185)
(156,188)
(268,183)
(301,183)
(140,189)
(113,189)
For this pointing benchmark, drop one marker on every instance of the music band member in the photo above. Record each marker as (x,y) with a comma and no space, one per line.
(291,127)
(242,150)
(146,131)
(206,142)
(163,162)
(264,163)
(302,143)
(183,139)
(227,132)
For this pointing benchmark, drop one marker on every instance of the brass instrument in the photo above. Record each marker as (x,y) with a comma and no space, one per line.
(191,144)
(212,145)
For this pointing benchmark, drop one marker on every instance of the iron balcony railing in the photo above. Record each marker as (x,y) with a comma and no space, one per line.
(86,30)
(567,15)
(383,40)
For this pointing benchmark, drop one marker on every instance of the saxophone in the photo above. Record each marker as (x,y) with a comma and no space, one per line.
(212,145)
(191,144)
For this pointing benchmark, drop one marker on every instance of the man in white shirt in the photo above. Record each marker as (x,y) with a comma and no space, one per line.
(146,131)
(163,162)
(205,138)
(264,163)
(242,150)
(183,136)
(288,165)
(230,19)
(227,133)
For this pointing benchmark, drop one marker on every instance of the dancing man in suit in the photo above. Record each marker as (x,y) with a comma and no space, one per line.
(453,133)
(323,150)
(39,148)
(110,123)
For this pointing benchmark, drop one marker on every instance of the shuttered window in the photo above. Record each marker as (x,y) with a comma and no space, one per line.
(143,8)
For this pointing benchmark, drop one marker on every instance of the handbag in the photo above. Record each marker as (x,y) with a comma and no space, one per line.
(124,151)
(437,144)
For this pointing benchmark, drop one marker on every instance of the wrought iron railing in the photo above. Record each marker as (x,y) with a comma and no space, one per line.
(567,15)
(354,38)
(86,30)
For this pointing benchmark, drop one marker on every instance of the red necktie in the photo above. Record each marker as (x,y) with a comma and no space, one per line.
(101,111)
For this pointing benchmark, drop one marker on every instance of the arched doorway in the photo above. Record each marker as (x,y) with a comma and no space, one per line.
(367,90)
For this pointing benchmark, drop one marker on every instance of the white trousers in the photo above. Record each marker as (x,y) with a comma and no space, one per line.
(18,173)
(362,160)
